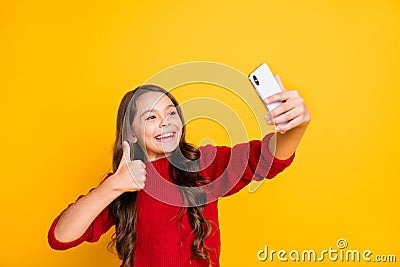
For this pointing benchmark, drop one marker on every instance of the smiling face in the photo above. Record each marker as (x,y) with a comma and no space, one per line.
(156,125)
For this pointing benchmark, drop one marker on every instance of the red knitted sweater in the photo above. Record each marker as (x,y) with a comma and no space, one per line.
(163,240)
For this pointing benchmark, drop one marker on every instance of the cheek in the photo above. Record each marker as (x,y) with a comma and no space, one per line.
(142,130)
(149,130)
(180,131)
(179,126)
(178,123)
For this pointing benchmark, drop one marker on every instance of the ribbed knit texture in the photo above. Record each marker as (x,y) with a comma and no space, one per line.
(163,240)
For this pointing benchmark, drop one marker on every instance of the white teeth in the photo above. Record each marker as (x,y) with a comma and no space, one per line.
(164,135)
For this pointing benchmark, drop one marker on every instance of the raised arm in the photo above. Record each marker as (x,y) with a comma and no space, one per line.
(231,169)
(235,168)
(295,112)
(89,211)
(76,219)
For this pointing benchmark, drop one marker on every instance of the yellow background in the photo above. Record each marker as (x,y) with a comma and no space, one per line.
(66,65)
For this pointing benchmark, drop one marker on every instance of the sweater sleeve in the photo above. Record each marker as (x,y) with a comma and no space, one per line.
(101,224)
(231,169)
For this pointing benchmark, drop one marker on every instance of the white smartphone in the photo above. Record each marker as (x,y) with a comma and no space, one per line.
(265,85)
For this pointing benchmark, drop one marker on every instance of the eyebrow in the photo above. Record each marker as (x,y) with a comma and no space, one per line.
(150,110)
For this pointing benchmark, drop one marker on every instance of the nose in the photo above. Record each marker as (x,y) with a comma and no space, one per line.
(165,123)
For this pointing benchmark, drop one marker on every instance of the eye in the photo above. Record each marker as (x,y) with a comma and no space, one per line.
(172,112)
(150,117)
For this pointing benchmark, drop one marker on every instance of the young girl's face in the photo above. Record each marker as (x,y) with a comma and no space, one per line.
(156,125)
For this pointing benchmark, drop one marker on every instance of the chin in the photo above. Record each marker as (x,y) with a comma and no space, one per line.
(169,148)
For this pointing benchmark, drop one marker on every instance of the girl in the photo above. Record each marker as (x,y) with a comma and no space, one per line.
(158,225)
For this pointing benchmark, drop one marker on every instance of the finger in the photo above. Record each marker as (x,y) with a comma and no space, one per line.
(282,96)
(284,107)
(287,116)
(278,79)
(290,125)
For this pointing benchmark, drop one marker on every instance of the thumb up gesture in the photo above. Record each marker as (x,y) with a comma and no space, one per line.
(131,174)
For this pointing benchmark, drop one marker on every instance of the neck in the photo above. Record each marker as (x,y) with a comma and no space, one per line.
(156,157)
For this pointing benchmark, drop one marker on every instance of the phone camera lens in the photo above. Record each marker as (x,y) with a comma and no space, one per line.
(256,80)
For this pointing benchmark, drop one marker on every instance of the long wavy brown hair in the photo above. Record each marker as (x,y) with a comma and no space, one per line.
(123,209)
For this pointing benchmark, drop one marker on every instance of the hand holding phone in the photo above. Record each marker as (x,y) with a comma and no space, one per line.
(265,85)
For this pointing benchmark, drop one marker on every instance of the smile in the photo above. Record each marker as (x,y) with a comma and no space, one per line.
(166,137)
